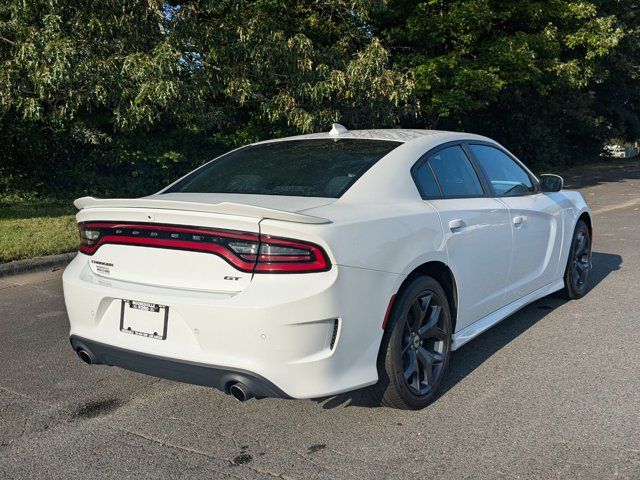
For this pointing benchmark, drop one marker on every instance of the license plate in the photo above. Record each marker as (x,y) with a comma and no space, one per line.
(144,319)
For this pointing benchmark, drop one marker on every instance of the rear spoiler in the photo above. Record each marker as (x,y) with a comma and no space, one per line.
(224,208)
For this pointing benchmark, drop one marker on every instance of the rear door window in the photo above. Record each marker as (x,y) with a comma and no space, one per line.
(454,173)
(305,168)
(426,182)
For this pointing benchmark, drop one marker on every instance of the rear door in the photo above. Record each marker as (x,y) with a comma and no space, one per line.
(536,220)
(476,228)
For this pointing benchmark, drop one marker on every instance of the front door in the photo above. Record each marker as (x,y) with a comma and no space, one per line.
(537,239)
(536,221)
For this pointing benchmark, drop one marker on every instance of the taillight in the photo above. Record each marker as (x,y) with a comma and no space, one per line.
(249,252)
(88,237)
(281,255)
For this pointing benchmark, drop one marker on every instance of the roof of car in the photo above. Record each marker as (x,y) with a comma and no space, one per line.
(391,134)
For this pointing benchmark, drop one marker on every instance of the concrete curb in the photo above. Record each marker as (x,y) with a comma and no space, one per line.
(52,262)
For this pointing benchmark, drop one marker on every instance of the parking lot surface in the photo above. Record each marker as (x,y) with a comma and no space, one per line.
(552,391)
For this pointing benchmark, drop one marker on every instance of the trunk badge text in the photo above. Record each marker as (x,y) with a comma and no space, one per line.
(102,267)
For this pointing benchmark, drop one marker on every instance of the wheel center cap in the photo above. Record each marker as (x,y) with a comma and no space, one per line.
(416,341)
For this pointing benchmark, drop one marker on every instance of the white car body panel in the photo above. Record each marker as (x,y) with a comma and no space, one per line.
(539,233)
(278,327)
(281,326)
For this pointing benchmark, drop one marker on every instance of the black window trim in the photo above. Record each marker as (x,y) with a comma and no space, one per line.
(533,178)
(484,184)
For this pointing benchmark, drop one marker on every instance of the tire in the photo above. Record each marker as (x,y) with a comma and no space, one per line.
(578,270)
(413,361)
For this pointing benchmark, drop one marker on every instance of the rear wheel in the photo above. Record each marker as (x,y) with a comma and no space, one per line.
(416,346)
(576,277)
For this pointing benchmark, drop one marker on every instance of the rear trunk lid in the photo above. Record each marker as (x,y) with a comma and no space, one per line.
(176,242)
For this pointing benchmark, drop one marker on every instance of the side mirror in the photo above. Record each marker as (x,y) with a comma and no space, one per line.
(551,183)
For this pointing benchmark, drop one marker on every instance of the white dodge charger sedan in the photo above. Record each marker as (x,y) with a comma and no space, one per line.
(312,265)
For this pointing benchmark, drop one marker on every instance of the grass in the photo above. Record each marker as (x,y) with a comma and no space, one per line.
(35,228)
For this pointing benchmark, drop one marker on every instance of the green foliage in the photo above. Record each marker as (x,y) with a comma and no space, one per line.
(540,76)
(119,98)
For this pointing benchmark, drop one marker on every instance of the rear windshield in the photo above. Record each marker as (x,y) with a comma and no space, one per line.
(303,168)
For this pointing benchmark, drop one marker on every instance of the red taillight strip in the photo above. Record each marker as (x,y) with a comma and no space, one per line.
(171,244)
(277,264)
(262,263)
(167,228)
(284,258)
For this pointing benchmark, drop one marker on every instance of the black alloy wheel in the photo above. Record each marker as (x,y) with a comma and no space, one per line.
(416,346)
(576,278)
(423,344)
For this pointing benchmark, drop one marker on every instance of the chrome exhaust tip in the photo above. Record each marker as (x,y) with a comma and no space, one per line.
(240,392)
(85,356)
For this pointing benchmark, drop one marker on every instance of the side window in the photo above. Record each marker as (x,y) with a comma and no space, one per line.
(507,177)
(455,174)
(426,182)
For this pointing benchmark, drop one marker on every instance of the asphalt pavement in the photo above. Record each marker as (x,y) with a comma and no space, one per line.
(553,391)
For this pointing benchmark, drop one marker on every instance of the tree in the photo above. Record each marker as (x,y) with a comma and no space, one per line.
(539,76)
(114,89)
(120,97)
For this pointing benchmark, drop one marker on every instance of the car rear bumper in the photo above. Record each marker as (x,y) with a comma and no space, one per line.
(303,335)
(177,370)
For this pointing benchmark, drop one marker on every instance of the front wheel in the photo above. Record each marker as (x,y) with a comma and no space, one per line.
(416,346)
(576,276)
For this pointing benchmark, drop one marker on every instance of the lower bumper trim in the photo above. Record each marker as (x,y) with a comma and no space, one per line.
(195,373)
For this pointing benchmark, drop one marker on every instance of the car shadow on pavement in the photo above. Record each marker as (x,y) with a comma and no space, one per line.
(472,355)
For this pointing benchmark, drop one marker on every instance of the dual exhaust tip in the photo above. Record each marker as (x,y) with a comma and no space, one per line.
(86,356)
(237,390)
(240,392)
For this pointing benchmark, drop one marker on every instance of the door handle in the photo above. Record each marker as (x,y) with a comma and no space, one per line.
(519,220)
(456,225)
